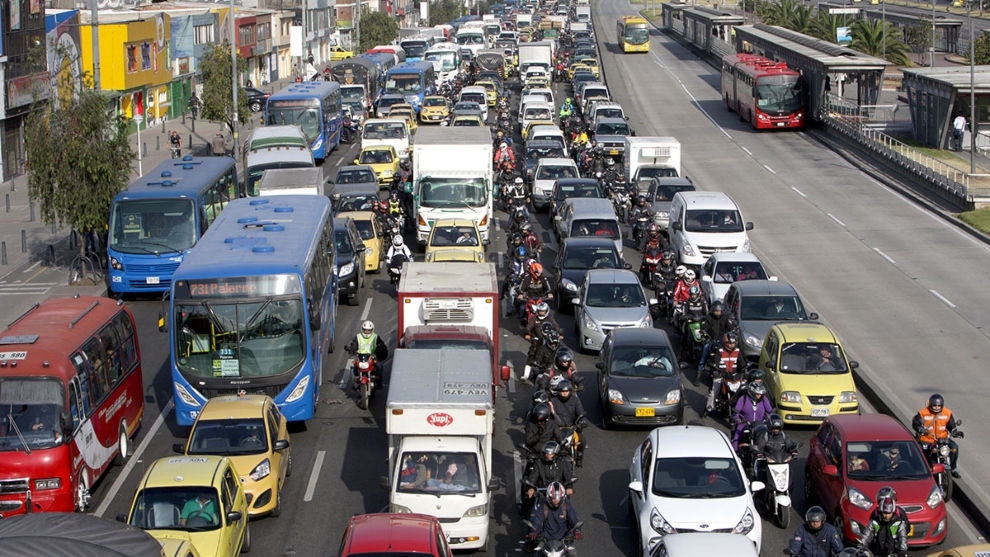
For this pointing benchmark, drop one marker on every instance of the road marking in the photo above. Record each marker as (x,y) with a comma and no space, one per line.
(960,521)
(367,309)
(693,99)
(499,255)
(747,150)
(831,216)
(311,488)
(517,472)
(799,192)
(36,263)
(131,462)
(512,377)
(552,242)
(770,169)
(943,298)
(885,256)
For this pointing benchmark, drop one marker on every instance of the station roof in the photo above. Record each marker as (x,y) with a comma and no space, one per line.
(955,77)
(833,57)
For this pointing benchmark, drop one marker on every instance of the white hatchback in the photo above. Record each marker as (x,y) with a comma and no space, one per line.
(688,479)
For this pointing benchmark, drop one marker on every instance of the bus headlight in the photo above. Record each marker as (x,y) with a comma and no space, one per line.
(300,389)
(318,143)
(47,483)
(262,470)
(116,265)
(185,396)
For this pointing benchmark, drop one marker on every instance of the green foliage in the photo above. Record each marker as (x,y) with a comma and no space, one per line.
(217,95)
(982,49)
(376,28)
(826,25)
(919,35)
(868,36)
(79,157)
(442,11)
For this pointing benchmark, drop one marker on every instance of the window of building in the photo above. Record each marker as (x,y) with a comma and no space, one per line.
(132,58)
(145,56)
(203,34)
(246,35)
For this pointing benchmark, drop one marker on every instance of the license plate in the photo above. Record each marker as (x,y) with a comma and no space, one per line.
(819,412)
(151,280)
(644,413)
(781,124)
(614,152)
(447,304)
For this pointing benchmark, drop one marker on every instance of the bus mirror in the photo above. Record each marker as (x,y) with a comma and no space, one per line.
(314,317)
(65,421)
(162,323)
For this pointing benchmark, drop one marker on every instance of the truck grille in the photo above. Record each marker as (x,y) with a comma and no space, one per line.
(20,485)
(448,310)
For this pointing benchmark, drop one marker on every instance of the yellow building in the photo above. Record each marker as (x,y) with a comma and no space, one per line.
(134,59)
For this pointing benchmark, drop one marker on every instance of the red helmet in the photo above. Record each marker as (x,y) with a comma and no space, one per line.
(535,270)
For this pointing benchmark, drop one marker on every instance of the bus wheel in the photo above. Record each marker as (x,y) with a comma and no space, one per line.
(123,445)
(82,491)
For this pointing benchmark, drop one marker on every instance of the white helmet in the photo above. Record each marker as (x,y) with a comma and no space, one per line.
(369,327)
(680,270)
(518,180)
(690,274)
(397,242)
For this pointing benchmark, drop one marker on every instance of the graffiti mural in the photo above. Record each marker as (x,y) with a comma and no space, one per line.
(64,60)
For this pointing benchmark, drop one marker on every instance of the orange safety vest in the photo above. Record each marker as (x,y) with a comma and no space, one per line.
(729,360)
(935,424)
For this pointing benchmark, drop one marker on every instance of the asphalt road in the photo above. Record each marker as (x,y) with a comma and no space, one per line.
(864,258)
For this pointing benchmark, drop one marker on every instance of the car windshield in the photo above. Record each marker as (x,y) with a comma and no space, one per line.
(470,39)
(595,227)
(376,156)
(193,509)
(583,190)
(537,114)
(387,102)
(885,461)
(384,130)
(655,361)
(414,49)
(362,176)
(454,236)
(365,228)
(356,203)
(440,193)
(228,437)
(591,258)
(772,308)
(627,295)
(663,192)
(536,153)
(697,478)
(342,241)
(439,472)
(612,129)
(812,358)
(30,410)
(152,226)
(727,272)
(434,101)
(475,98)
(467,121)
(467,107)
(708,220)
(352,92)
(609,113)
(556,172)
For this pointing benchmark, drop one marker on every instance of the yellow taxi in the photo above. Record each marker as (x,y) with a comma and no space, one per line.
(575,66)
(196,496)
(537,82)
(407,114)
(177,544)
(455,240)
(533,123)
(975,550)
(338,53)
(592,64)
(250,430)
(434,110)
(467,120)
(491,90)
(372,235)
(382,159)
(807,373)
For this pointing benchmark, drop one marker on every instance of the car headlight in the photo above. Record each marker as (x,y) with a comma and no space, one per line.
(589,323)
(298,392)
(663,214)
(388,172)
(116,265)
(615,396)
(261,470)
(857,498)
(753,340)
(646,323)
(185,396)
(745,246)
(476,512)
(745,524)
(660,525)
(568,285)
(47,483)
(935,497)
(347,269)
(400,509)
(673,397)
(688,250)
(793,397)
(848,396)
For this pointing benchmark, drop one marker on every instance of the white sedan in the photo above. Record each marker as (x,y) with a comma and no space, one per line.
(688,479)
(724,268)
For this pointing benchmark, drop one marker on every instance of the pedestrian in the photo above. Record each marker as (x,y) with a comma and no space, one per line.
(219,145)
(958,128)
(194,105)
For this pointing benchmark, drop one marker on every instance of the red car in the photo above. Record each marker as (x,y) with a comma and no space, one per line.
(394,534)
(852,456)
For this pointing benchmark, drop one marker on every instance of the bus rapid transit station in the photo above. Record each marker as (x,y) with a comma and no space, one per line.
(936,95)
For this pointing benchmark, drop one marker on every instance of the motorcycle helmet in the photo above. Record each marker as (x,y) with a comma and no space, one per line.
(936,400)
(680,271)
(397,241)
(551,337)
(540,397)
(756,375)
(775,423)
(536,270)
(609,162)
(563,387)
(694,291)
(718,306)
(757,390)
(516,240)
(564,358)
(556,494)
(367,328)
(518,181)
(503,145)
(653,229)
(641,200)
(542,310)
(887,500)
(541,413)
(550,450)
(393,195)
(815,514)
(567,100)
(667,254)
(527,228)
(690,275)
(729,339)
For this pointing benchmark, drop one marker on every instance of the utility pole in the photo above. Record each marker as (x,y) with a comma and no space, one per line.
(973,128)
(357,26)
(931,58)
(233,77)
(95,24)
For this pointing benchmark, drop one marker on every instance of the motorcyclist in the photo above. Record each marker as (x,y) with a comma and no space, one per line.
(538,322)
(367,342)
(774,441)
(570,413)
(566,109)
(934,422)
(715,325)
(886,533)
(554,519)
(666,269)
(548,469)
(816,537)
(515,193)
(504,155)
(532,242)
(729,360)
(652,237)
(751,408)
(395,208)
(534,285)
(640,211)
(541,427)
(501,138)
(518,267)
(693,310)
(563,365)
(683,286)
(650,255)
(543,357)
(398,247)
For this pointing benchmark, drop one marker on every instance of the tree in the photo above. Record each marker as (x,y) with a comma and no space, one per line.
(827,24)
(443,11)
(217,100)
(869,36)
(982,49)
(376,28)
(919,35)
(79,157)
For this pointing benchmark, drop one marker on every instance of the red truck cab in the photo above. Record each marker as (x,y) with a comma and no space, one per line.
(394,534)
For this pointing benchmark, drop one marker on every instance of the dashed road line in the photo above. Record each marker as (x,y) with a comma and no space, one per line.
(748,152)
(943,298)
(885,256)
(24,288)
(799,192)
(367,310)
(314,477)
(831,216)
(770,169)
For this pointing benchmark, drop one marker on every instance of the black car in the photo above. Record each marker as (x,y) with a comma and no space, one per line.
(575,258)
(541,149)
(639,380)
(256,99)
(350,260)
(566,188)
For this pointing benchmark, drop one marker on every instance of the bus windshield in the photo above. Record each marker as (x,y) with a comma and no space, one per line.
(778,95)
(352,92)
(637,35)
(29,413)
(306,118)
(440,193)
(249,338)
(447,60)
(152,226)
(414,49)
(404,83)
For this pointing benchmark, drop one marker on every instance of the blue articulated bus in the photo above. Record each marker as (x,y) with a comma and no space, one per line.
(253,307)
(413,80)
(314,106)
(160,217)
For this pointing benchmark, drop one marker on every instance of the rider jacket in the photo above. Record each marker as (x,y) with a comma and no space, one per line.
(682,291)
(544,473)
(371,345)
(568,410)
(543,357)
(697,308)
(539,288)
(826,542)
(515,191)
(667,271)
(554,524)
(641,211)
(537,434)
(774,443)
(716,327)
(394,207)
(503,155)
(728,362)
(748,410)
(931,425)
(393,251)
(534,328)
(885,538)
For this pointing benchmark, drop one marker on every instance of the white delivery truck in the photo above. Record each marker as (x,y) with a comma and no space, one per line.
(651,157)
(538,54)
(582,14)
(439,418)
(524,20)
(452,178)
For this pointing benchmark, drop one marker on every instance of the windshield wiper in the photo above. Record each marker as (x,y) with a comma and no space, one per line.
(213,317)
(168,247)
(17,430)
(250,322)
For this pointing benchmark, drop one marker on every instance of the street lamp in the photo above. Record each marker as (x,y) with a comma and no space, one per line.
(233,78)
(972,91)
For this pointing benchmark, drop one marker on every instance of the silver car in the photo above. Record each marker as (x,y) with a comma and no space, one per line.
(609,299)
(546,173)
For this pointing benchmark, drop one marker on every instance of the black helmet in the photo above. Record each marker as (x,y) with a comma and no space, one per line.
(756,375)
(667,254)
(641,200)
(887,500)
(730,338)
(540,396)
(547,328)
(718,305)
(516,238)
(815,514)
(936,400)
(551,337)
(757,389)
(550,450)
(541,413)
(775,422)
(565,386)
(564,357)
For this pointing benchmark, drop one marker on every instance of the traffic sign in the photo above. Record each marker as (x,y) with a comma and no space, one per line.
(843,10)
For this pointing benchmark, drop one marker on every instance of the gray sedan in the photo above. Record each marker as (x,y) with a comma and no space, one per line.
(609,299)
(639,379)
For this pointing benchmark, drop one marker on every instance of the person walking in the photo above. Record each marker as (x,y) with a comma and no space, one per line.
(958,129)
(219,145)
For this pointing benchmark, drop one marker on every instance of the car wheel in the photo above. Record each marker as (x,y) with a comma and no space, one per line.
(255,106)
(288,466)
(278,505)
(246,546)
(809,492)
(839,524)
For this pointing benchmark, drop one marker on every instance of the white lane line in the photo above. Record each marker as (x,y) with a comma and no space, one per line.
(517,472)
(311,488)
(693,99)
(367,309)
(512,377)
(799,192)
(770,169)
(495,222)
(885,256)
(133,460)
(31,268)
(552,242)
(748,152)
(943,298)
(831,216)
(499,254)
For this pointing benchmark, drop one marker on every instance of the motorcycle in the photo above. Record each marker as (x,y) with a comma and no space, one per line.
(939,453)
(651,260)
(639,223)
(776,496)
(725,387)
(692,338)
(622,204)
(395,268)
(529,307)
(555,548)
(364,381)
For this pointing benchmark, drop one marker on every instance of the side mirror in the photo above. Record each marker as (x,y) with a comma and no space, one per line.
(557,218)
(683,366)
(676,225)
(749,226)
(636,486)
(757,486)
(122,518)
(179,448)
(771,365)
(654,301)
(633,133)
(627,266)
(384,483)
(853,364)
(938,468)
(361,249)
(576,301)
(234,516)
(506,373)
(958,422)
(831,470)
(355,161)
(65,421)
(600,365)
(494,484)
(813,316)
(706,278)
(281,445)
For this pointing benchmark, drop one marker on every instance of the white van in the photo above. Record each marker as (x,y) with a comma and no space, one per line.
(533,111)
(706,222)
(548,133)
(387,131)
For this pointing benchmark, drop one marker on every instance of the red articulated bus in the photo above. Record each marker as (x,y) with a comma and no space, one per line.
(71,399)
(767,94)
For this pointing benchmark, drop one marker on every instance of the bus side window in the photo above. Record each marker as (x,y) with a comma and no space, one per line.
(111,346)
(82,375)
(128,348)
(97,371)
(74,405)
